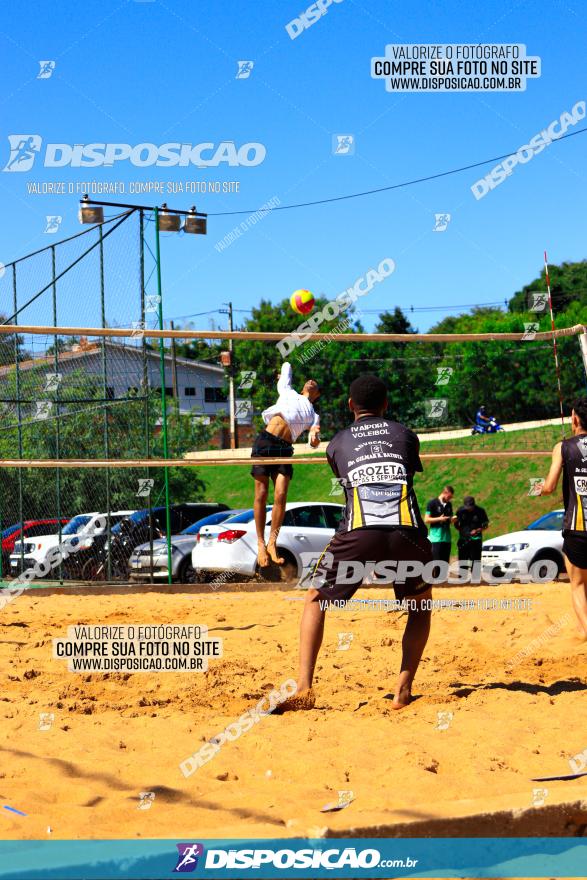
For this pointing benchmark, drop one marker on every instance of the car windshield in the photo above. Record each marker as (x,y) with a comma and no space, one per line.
(211,520)
(76,524)
(550,522)
(10,530)
(138,517)
(244,517)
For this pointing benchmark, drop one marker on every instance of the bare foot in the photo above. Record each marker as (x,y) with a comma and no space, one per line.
(402,698)
(262,555)
(272,551)
(297,703)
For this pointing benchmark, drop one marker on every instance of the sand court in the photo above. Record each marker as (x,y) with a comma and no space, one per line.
(501,698)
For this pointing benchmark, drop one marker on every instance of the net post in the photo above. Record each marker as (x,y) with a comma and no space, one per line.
(105,429)
(146,385)
(58,414)
(163,399)
(18,410)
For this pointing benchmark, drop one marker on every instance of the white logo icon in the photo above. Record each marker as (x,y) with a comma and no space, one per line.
(441,222)
(539,795)
(46,69)
(145,486)
(53,381)
(243,411)
(444,720)
(343,144)
(46,719)
(310,562)
(336,486)
(138,329)
(245,69)
(23,151)
(146,800)
(535,486)
(530,330)
(436,409)
(152,302)
(578,763)
(444,375)
(44,408)
(538,302)
(53,222)
(247,377)
(344,641)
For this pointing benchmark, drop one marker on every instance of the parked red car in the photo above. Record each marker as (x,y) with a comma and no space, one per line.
(30,529)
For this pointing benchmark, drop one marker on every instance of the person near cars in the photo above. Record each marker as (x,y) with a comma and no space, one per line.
(284,422)
(375,460)
(471,521)
(438,516)
(569,457)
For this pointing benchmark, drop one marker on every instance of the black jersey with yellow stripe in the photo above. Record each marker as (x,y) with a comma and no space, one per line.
(574,455)
(375,460)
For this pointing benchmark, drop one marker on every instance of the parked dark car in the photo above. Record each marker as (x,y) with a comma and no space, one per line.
(149,562)
(112,555)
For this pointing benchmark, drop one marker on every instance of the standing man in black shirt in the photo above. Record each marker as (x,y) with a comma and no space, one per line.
(471,521)
(570,458)
(375,460)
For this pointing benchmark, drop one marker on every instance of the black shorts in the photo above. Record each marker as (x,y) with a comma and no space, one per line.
(575,548)
(371,545)
(470,549)
(267,445)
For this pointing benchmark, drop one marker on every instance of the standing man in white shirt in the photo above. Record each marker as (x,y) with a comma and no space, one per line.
(284,422)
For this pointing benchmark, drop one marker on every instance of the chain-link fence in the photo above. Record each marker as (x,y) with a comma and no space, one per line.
(66,397)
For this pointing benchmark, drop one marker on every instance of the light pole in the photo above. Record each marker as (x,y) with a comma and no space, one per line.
(166,220)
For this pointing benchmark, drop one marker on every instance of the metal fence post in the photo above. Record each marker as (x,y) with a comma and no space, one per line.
(58,412)
(163,400)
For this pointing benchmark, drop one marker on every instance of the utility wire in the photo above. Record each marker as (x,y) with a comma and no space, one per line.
(370,192)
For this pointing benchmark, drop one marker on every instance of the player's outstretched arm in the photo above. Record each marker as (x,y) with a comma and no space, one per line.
(285,377)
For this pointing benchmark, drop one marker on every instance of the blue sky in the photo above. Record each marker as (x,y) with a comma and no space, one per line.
(155,72)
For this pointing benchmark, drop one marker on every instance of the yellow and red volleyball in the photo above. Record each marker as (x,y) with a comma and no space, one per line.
(302,301)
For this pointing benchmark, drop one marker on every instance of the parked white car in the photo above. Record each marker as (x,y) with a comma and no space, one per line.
(142,566)
(230,549)
(77,534)
(534,547)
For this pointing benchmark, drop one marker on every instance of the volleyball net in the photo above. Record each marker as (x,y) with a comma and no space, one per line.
(104,410)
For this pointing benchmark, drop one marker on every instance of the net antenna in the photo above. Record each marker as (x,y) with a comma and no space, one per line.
(554,349)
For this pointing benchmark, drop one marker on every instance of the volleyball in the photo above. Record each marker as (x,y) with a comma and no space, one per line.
(302,301)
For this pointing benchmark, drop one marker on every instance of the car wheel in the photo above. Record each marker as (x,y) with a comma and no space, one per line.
(289,570)
(93,570)
(188,574)
(542,564)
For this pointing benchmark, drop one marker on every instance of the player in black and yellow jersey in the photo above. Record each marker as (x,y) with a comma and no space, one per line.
(569,457)
(375,460)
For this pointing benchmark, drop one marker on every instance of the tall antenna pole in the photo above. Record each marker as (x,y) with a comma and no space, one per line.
(554,349)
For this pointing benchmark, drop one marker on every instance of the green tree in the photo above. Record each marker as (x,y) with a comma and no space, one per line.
(568,284)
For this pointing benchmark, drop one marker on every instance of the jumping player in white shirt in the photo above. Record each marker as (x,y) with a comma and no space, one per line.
(285,421)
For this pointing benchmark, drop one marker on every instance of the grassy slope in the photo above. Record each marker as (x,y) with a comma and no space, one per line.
(499,485)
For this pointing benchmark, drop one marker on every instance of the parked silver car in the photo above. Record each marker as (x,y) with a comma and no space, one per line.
(141,567)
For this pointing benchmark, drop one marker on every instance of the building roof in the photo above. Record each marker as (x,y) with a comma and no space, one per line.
(84,348)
